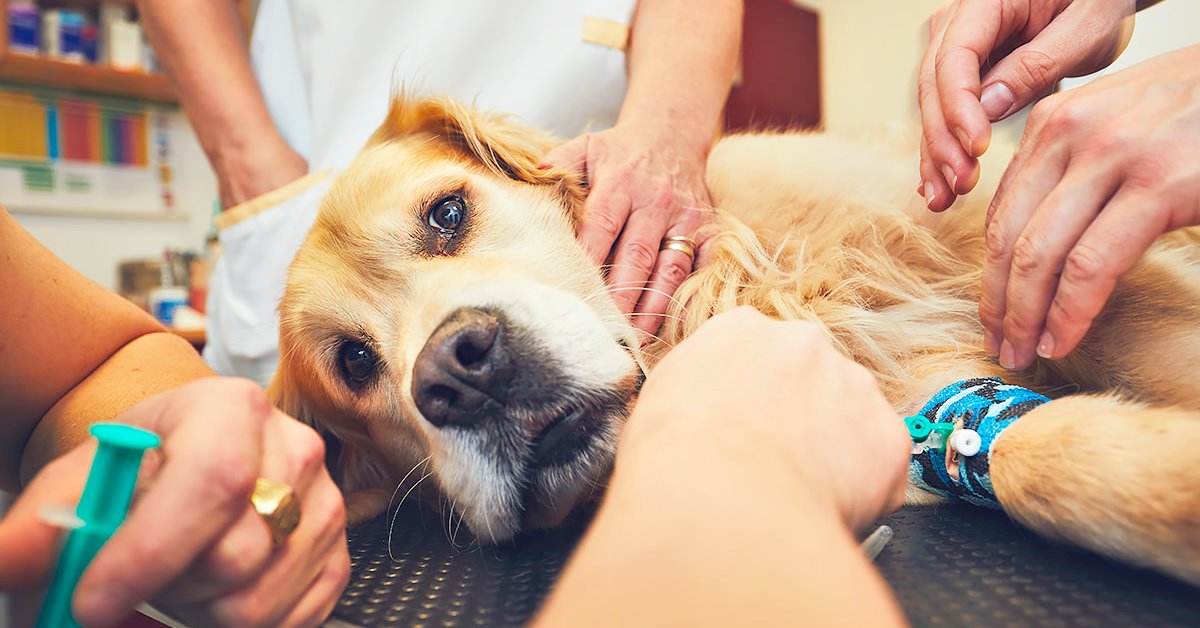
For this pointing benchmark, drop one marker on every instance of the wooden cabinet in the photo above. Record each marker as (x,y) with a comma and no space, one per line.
(27,69)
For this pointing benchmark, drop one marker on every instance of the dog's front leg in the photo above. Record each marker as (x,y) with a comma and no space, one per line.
(1110,475)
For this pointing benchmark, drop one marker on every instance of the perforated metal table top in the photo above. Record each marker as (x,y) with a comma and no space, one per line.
(949,565)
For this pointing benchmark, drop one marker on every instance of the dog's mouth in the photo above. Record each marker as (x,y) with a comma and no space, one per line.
(560,439)
(567,457)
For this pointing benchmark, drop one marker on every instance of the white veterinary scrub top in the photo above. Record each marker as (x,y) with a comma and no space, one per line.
(327,68)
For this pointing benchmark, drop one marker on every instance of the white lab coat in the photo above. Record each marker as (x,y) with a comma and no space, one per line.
(326,69)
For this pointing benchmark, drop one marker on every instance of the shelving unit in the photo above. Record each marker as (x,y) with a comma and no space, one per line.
(27,69)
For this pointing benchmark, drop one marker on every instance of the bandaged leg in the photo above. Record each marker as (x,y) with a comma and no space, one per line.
(953,436)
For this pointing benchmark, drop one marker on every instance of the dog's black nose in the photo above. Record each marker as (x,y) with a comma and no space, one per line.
(462,369)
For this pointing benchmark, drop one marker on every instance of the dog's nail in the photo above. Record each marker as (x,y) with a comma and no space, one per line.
(930,194)
(951,178)
(989,342)
(1007,359)
(1045,347)
(997,99)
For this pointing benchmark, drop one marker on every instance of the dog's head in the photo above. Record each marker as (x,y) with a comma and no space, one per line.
(441,318)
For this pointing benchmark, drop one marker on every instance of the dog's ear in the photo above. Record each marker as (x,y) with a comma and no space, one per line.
(350,468)
(503,147)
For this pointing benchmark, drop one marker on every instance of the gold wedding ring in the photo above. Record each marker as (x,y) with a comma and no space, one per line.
(277,504)
(683,244)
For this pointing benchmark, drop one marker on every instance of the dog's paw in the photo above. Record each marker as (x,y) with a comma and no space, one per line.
(365,505)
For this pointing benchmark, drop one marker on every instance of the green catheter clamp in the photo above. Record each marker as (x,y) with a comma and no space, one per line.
(926,434)
(102,508)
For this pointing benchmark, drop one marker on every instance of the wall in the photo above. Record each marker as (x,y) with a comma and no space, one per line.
(95,246)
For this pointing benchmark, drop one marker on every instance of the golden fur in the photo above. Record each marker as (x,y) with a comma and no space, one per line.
(809,227)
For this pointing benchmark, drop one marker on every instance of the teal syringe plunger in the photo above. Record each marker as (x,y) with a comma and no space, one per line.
(102,508)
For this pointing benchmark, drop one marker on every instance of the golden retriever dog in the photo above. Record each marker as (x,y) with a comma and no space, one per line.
(440,322)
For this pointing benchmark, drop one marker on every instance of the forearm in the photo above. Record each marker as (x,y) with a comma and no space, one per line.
(145,366)
(681,65)
(705,533)
(202,49)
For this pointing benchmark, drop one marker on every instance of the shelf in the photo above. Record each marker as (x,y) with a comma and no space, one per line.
(173,215)
(31,70)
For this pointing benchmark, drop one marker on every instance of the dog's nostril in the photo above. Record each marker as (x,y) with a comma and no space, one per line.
(442,395)
(470,353)
(462,368)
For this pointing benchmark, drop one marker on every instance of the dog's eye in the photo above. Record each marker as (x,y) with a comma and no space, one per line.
(358,362)
(447,214)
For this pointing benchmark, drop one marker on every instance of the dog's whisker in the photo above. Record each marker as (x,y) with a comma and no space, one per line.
(450,523)
(396,514)
(454,535)
(401,483)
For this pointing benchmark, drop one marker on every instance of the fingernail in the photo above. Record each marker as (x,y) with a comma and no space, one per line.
(929,194)
(951,178)
(989,342)
(1007,359)
(963,139)
(544,166)
(1046,346)
(997,99)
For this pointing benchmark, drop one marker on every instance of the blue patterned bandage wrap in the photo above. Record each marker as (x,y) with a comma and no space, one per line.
(986,405)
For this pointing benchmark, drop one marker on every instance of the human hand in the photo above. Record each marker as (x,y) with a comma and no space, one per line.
(1021,49)
(246,172)
(786,389)
(646,184)
(192,542)
(1101,172)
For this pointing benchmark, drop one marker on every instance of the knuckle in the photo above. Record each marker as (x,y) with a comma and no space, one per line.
(809,334)
(1035,70)
(1042,110)
(341,570)
(1018,324)
(250,397)
(307,450)
(863,380)
(236,564)
(1065,315)
(1028,257)
(1084,265)
(1155,174)
(337,514)
(1119,140)
(639,254)
(926,86)
(333,508)
(674,273)
(229,479)
(606,222)
(1066,118)
(990,312)
(996,241)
